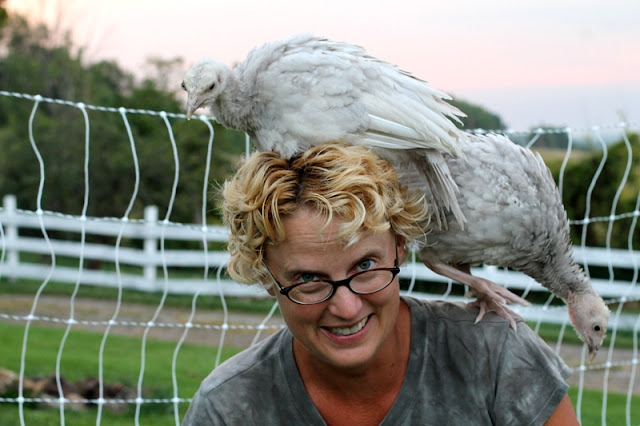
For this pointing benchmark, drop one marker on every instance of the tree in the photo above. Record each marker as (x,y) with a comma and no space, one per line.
(165,73)
(3,13)
(578,177)
(34,65)
(477,117)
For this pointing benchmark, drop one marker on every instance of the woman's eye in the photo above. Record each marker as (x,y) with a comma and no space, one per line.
(366,264)
(306,277)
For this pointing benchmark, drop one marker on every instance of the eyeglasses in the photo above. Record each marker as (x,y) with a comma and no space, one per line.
(365,282)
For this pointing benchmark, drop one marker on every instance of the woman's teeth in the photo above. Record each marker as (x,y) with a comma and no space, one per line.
(349,330)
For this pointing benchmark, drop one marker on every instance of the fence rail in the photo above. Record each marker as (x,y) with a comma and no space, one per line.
(151,257)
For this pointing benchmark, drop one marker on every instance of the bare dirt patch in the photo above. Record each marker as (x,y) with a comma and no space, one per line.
(133,318)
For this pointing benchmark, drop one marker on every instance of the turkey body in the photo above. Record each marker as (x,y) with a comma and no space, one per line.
(515,219)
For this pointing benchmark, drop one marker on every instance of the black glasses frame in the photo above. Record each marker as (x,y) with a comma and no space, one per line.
(395,270)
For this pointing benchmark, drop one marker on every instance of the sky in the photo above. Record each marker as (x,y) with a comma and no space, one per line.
(532,62)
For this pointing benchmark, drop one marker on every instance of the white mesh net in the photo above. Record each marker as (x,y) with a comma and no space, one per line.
(117,318)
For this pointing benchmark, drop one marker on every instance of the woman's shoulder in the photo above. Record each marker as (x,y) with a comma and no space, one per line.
(443,321)
(453,312)
(453,325)
(249,365)
(249,387)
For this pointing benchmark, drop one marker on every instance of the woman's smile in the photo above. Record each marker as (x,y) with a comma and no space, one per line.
(347,331)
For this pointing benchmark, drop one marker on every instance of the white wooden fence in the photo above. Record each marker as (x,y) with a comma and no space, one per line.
(152,258)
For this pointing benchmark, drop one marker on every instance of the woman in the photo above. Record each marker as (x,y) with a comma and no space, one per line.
(324,232)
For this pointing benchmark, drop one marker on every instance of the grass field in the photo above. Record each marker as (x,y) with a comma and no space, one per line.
(121,364)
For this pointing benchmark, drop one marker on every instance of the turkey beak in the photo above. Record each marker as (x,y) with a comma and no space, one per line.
(192,105)
(593,350)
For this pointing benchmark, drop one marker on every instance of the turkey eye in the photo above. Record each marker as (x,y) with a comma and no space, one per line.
(596,327)
(212,86)
(183,86)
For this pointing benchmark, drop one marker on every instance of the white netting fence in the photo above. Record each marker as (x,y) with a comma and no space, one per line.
(117,317)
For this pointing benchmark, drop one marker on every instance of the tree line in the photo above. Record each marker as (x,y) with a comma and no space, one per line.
(31,65)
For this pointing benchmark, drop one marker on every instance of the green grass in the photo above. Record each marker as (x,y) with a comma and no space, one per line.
(121,364)
(591,407)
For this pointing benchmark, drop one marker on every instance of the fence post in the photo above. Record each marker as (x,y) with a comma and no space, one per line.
(11,230)
(150,245)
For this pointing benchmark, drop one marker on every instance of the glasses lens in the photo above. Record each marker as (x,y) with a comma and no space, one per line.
(371,281)
(311,292)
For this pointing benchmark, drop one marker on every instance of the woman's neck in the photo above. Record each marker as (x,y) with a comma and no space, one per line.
(370,389)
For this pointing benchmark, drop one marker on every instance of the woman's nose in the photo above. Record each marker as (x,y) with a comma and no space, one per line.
(345,303)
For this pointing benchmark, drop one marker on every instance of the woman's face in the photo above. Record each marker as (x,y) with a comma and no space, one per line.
(348,330)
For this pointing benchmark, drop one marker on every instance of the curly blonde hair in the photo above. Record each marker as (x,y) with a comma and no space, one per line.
(336,180)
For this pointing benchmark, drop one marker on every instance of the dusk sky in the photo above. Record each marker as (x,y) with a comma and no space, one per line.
(533,62)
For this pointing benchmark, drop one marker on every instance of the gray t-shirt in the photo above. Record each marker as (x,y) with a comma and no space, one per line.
(459,373)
